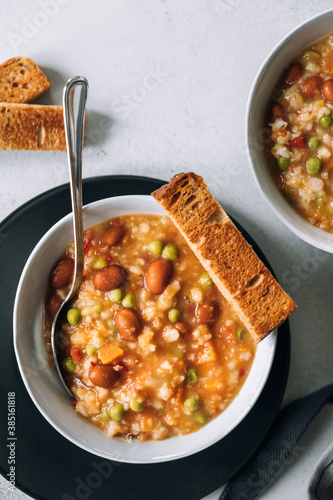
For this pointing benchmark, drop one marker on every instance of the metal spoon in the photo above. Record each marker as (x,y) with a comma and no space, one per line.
(74,104)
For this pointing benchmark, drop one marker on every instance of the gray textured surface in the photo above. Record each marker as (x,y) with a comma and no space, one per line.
(169,83)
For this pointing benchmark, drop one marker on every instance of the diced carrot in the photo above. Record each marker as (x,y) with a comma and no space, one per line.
(179,395)
(109,353)
(76,354)
(214,386)
(147,421)
(206,354)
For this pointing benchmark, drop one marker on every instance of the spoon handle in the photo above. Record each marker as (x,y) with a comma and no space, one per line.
(74,104)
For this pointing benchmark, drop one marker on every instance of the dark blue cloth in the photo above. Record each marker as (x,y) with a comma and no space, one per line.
(283,436)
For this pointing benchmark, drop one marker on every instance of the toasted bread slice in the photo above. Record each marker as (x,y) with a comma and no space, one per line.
(240,275)
(32,127)
(21,80)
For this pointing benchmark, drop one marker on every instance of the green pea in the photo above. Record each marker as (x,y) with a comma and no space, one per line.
(91,350)
(110,323)
(117,412)
(155,247)
(90,310)
(105,415)
(240,332)
(192,403)
(205,279)
(314,143)
(116,295)
(170,251)
(68,365)
(325,121)
(174,315)
(313,166)
(192,376)
(283,163)
(99,262)
(201,418)
(176,353)
(322,207)
(310,55)
(136,405)
(129,300)
(73,316)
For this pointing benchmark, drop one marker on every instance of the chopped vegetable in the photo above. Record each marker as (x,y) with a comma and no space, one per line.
(129,301)
(136,405)
(205,279)
(192,403)
(201,418)
(310,55)
(116,295)
(314,143)
(99,262)
(170,251)
(298,142)
(68,365)
(73,316)
(283,163)
(313,166)
(206,354)
(90,310)
(155,247)
(87,244)
(109,353)
(91,350)
(174,315)
(325,121)
(192,376)
(76,354)
(105,415)
(240,332)
(117,412)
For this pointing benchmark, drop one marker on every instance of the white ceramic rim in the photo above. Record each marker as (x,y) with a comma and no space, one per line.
(151,451)
(295,223)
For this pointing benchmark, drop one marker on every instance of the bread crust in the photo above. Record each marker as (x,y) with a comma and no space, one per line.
(21,80)
(247,284)
(31,127)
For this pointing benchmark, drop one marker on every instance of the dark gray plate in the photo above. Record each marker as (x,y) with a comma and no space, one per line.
(50,467)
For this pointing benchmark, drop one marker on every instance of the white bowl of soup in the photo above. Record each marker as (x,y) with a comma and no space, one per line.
(289,130)
(159,364)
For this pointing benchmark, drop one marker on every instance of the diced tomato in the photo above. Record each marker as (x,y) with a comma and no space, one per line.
(179,395)
(118,367)
(87,244)
(76,354)
(298,142)
(109,258)
(229,334)
(191,309)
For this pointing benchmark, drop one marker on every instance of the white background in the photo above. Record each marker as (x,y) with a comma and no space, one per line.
(169,82)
